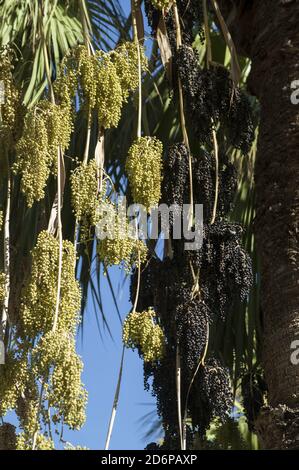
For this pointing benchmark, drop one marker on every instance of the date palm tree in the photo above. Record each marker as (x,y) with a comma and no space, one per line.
(60,26)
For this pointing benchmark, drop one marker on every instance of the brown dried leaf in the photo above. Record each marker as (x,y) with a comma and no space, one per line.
(165,49)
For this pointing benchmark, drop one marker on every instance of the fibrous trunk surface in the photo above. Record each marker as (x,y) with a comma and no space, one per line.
(268,33)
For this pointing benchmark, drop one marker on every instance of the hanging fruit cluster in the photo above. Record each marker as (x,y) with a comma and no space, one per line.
(188,290)
(104,80)
(211,97)
(121,246)
(2,287)
(47,127)
(47,374)
(140,331)
(143,166)
(190,12)
(9,100)
(39,295)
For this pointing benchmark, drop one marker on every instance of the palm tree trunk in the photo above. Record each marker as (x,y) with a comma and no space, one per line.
(268,33)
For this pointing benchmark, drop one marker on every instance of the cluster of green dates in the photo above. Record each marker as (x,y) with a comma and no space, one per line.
(2,287)
(140,331)
(92,207)
(47,130)
(9,99)
(162,4)
(43,372)
(144,170)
